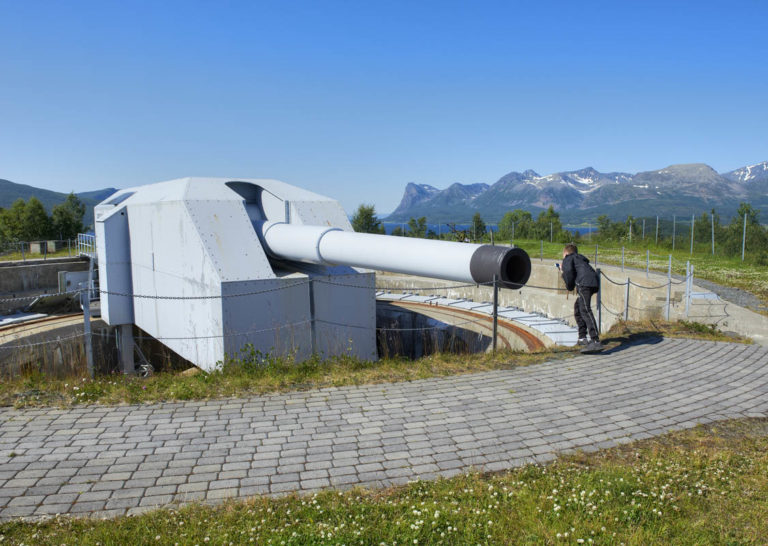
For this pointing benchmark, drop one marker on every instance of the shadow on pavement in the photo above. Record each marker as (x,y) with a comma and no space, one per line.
(618,344)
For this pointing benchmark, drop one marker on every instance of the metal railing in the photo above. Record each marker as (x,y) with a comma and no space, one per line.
(86,245)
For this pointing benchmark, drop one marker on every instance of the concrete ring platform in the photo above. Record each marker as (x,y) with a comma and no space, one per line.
(108,461)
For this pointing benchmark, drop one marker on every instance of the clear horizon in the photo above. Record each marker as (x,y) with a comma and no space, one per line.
(355,101)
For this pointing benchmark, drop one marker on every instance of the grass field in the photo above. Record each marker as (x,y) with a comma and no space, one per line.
(17,256)
(703,486)
(252,373)
(724,270)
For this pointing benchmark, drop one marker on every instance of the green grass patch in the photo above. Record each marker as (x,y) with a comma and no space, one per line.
(17,256)
(703,486)
(679,329)
(252,373)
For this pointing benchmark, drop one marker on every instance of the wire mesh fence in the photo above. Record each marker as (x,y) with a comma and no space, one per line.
(743,237)
(24,251)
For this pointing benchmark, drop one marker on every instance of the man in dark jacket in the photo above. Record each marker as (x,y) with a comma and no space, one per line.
(578,274)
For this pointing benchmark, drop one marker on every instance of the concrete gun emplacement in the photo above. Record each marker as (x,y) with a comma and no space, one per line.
(209,266)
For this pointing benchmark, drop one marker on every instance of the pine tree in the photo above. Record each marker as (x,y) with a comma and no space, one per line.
(478,227)
(365,220)
(67,218)
(36,224)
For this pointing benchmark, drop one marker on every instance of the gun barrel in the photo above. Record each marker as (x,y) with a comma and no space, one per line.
(424,257)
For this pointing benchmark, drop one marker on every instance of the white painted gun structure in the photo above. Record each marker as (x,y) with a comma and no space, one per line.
(210,266)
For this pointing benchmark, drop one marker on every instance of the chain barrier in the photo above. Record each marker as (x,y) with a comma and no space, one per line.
(212,297)
(478,321)
(247,332)
(33,296)
(49,342)
(617,314)
(607,278)
(300,323)
(633,283)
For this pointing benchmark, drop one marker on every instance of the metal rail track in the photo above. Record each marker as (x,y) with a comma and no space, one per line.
(16,332)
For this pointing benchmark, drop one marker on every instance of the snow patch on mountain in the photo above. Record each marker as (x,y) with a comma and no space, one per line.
(750,172)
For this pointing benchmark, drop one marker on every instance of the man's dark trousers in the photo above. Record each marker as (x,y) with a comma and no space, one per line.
(582,312)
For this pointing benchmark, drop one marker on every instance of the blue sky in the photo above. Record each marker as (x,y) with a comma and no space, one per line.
(355,99)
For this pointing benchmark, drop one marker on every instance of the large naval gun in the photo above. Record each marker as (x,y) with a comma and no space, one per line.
(210,266)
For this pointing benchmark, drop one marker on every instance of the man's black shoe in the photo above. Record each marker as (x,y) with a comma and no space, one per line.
(593,347)
(582,341)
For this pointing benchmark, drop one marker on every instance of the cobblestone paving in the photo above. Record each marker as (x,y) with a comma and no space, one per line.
(109,461)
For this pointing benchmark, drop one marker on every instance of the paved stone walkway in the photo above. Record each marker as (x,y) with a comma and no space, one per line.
(125,459)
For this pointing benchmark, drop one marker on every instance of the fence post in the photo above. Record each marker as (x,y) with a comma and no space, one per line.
(630,232)
(674,230)
(599,301)
(542,250)
(24,259)
(713,234)
(690,292)
(595,254)
(657,230)
(312,320)
(687,287)
(669,286)
(643,229)
(622,258)
(492,243)
(495,310)
(647,262)
(626,303)
(744,237)
(693,222)
(69,247)
(85,302)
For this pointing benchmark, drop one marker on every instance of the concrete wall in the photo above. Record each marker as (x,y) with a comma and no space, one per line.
(540,295)
(41,275)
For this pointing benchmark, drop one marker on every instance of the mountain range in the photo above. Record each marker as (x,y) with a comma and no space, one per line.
(585,194)
(579,196)
(11,191)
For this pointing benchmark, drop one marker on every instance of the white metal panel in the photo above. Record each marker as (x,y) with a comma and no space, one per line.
(345,315)
(274,317)
(229,239)
(113,248)
(169,261)
(319,213)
